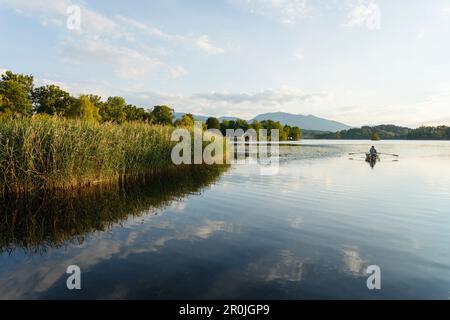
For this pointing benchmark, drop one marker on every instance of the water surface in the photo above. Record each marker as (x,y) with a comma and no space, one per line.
(308,231)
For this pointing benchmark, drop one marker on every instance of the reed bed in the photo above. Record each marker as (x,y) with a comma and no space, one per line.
(56,153)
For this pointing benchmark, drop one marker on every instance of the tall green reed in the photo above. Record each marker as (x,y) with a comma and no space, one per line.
(55,153)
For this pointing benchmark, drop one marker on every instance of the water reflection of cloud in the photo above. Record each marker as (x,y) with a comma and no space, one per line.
(296,222)
(204,232)
(34,278)
(287,267)
(177,206)
(353,262)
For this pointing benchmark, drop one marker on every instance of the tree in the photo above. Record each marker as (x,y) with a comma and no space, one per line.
(186,121)
(242,124)
(162,114)
(375,136)
(134,113)
(15,93)
(26,81)
(113,110)
(213,123)
(52,100)
(272,125)
(285,134)
(85,109)
(256,125)
(224,126)
(14,98)
(296,133)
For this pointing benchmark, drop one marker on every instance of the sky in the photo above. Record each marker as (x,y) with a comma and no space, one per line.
(361,62)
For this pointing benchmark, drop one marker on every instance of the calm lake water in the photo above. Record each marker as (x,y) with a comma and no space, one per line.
(308,231)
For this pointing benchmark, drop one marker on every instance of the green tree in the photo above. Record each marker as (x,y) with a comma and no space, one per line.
(15,92)
(224,126)
(26,81)
(14,98)
(213,123)
(85,109)
(186,121)
(113,110)
(272,125)
(256,125)
(286,133)
(52,100)
(375,136)
(162,115)
(296,133)
(241,124)
(134,113)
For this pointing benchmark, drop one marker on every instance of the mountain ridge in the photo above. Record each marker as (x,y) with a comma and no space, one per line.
(308,122)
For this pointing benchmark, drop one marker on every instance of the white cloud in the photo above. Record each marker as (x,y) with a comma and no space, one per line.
(298,54)
(117,41)
(51,12)
(125,62)
(48,82)
(178,72)
(3,71)
(244,105)
(286,11)
(365,13)
(267,97)
(204,43)
(421,34)
(132,24)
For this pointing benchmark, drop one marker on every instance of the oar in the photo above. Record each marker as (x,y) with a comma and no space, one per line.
(353,153)
(390,154)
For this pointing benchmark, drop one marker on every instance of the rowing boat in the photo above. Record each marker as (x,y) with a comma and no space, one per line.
(372,158)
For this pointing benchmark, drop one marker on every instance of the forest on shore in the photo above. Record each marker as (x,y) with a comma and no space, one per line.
(389,132)
(19,98)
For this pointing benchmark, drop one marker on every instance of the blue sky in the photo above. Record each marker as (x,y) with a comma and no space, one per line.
(356,61)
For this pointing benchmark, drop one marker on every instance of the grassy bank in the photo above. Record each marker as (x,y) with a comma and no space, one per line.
(55,153)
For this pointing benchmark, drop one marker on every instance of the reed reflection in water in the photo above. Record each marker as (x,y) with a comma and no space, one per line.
(44,220)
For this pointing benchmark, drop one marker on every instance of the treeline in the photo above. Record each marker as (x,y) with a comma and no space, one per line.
(430,133)
(285,132)
(390,132)
(19,98)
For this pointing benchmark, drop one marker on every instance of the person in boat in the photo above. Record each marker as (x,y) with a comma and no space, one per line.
(373,151)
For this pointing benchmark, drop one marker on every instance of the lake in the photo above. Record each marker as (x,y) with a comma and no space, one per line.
(308,231)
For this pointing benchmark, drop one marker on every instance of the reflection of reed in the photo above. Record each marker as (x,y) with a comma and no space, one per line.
(47,220)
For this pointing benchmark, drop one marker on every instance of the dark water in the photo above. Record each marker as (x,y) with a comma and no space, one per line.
(310,230)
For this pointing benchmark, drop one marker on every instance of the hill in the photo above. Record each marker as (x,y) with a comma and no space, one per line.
(310,122)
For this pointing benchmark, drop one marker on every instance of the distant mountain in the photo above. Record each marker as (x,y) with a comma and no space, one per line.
(228,118)
(295,120)
(304,122)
